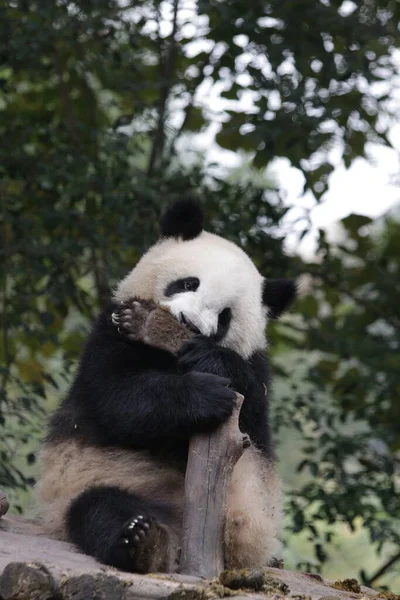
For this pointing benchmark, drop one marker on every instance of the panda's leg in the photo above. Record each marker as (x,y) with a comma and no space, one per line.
(123,530)
(254,515)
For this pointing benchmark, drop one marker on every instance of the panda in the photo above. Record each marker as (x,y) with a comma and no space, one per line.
(184,331)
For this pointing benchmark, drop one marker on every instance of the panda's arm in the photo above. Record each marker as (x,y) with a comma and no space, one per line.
(133,394)
(248,377)
(204,355)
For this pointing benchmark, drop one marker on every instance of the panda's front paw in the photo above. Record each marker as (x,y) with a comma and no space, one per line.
(209,398)
(199,354)
(141,541)
(129,318)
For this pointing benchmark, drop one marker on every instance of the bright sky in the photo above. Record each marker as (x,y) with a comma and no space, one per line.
(368,187)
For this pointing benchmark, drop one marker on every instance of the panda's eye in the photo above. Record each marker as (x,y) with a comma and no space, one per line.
(188,284)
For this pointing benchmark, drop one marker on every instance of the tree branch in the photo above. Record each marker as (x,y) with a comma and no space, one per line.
(383,569)
(165,88)
(6,349)
(210,464)
(334,283)
(190,105)
(102,288)
(65,97)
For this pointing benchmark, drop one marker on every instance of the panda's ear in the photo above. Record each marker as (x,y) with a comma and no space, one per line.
(278,295)
(184,219)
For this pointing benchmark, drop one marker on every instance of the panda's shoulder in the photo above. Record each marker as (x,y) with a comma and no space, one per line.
(259,362)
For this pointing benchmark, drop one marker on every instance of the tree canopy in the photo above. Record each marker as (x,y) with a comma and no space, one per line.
(101,104)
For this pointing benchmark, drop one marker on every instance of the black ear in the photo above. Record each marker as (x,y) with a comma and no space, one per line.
(278,294)
(183,219)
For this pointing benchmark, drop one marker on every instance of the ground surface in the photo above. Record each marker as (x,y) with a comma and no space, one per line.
(35,567)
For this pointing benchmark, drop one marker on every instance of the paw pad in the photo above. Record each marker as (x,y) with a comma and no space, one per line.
(136,530)
(129,318)
(142,546)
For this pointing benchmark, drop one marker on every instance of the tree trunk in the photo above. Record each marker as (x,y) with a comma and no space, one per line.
(211,460)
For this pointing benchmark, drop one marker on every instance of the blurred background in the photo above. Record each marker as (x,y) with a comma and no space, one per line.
(282,117)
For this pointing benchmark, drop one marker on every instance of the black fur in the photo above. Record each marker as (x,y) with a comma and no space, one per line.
(132,395)
(184,219)
(224,321)
(101,521)
(250,378)
(278,295)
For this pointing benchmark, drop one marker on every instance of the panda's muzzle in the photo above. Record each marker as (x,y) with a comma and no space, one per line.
(188,323)
(224,320)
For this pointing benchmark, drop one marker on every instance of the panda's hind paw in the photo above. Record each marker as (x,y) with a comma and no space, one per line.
(135,531)
(142,538)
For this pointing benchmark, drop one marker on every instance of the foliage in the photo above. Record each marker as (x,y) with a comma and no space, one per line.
(308,65)
(349,415)
(307,68)
(97,98)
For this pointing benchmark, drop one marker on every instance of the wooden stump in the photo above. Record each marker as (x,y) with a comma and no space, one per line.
(210,464)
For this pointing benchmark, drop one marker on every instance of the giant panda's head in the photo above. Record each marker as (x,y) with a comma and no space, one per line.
(207,282)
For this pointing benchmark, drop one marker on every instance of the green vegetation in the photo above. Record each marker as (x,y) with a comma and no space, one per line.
(101,103)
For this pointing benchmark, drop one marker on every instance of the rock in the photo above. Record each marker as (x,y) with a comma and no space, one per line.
(20,581)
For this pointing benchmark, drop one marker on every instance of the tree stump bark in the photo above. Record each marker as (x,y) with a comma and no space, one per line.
(210,464)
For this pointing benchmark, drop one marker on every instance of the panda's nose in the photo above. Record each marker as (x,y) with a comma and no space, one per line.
(185,321)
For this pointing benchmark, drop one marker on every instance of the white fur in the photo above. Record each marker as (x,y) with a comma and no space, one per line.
(253,518)
(228,278)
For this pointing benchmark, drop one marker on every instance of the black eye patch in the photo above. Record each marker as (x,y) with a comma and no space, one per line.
(187,284)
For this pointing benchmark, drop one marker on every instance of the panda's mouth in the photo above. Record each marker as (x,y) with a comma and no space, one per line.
(224,321)
(188,323)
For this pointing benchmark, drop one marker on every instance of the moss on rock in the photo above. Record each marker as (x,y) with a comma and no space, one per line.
(348,585)
(252,579)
